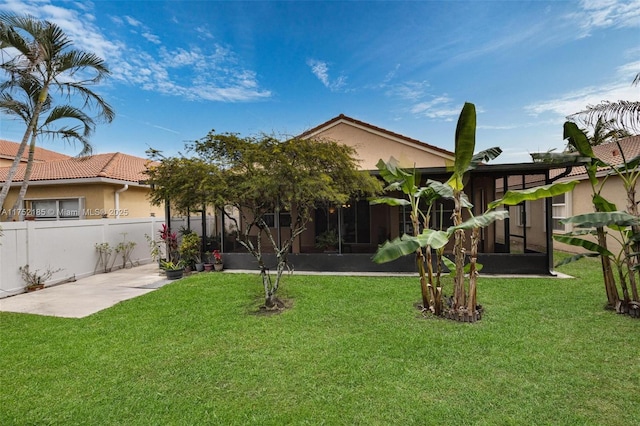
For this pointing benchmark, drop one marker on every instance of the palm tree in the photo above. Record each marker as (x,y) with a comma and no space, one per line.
(604,131)
(41,57)
(24,110)
(626,114)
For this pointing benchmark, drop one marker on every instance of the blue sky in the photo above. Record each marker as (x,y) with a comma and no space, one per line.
(183,68)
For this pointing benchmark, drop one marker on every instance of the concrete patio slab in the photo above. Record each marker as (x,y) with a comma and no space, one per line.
(88,295)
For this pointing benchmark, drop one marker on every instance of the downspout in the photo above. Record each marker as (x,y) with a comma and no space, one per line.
(118,191)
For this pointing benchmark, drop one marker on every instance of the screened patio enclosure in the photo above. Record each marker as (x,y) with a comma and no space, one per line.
(521,244)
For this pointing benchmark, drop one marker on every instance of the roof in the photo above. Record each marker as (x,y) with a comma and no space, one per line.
(8,150)
(361,124)
(116,166)
(613,153)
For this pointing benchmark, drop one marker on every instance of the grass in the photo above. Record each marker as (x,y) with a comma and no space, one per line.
(351,350)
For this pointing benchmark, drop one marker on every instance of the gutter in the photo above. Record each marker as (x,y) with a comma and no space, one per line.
(117,200)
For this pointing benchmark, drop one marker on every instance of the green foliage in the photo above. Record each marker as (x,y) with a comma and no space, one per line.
(190,247)
(258,176)
(328,240)
(352,350)
(188,183)
(37,56)
(570,239)
(408,244)
(172,265)
(512,198)
(465,142)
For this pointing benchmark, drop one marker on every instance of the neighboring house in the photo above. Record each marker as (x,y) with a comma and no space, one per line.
(66,188)
(8,151)
(579,201)
(511,246)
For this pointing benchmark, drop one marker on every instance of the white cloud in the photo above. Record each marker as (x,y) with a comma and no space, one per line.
(595,14)
(410,90)
(572,102)
(321,70)
(132,21)
(434,107)
(210,73)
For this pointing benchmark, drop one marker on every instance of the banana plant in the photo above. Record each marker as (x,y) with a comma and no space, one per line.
(420,200)
(628,174)
(407,182)
(620,225)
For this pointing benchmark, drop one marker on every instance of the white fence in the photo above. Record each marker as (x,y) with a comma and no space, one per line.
(68,246)
(71,246)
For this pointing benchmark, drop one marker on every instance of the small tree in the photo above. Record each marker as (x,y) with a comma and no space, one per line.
(258,176)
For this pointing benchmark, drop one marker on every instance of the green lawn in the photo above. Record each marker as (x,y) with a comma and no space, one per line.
(350,351)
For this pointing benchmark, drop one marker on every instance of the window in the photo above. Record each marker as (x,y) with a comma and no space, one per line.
(270,220)
(523,213)
(558,212)
(356,222)
(61,209)
(441,217)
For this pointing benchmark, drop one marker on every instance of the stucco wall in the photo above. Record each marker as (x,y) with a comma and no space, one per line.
(372,147)
(99,199)
(580,202)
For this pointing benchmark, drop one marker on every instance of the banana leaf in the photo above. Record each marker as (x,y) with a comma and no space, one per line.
(452,266)
(395,249)
(602,219)
(576,258)
(465,144)
(390,201)
(408,244)
(602,205)
(512,198)
(433,238)
(586,244)
(480,221)
(484,156)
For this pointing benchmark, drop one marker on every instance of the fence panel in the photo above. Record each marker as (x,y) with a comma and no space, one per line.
(68,246)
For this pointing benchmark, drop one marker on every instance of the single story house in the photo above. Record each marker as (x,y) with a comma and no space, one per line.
(67,188)
(521,244)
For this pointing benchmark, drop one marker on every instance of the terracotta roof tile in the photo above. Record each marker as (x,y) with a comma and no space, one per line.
(114,166)
(610,153)
(9,150)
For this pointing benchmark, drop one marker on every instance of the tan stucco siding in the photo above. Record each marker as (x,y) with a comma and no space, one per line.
(580,201)
(372,147)
(99,199)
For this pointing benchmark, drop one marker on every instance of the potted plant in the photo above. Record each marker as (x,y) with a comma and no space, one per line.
(190,249)
(217,260)
(208,261)
(33,280)
(328,241)
(170,239)
(174,270)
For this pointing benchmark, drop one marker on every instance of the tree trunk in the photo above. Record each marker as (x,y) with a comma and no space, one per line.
(632,207)
(31,128)
(25,180)
(458,251)
(607,272)
(424,289)
(473,273)
(423,279)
